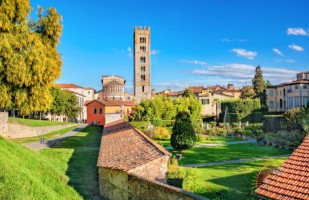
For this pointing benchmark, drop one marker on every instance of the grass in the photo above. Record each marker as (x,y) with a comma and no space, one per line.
(209,140)
(26,174)
(77,157)
(228,152)
(35,122)
(45,136)
(234,181)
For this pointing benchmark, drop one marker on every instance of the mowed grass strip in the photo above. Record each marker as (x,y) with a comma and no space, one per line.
(77,157)
(35,122)
(45,136)
(233,181)
(228,152)
(26,174)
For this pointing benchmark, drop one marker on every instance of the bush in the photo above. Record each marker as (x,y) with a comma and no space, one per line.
(273,123)
(199,137)
(157,122)
(161,133)
(284,138)
(255,128)
(222,132)
(213,124)
(183,136)
(256,117)
(211,132)
(175,175)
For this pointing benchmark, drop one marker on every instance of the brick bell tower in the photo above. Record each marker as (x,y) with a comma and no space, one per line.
(142,67)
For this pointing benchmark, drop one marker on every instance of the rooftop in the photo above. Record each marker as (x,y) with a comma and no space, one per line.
(68,85)
(113,103)
(291,179)
(124,148)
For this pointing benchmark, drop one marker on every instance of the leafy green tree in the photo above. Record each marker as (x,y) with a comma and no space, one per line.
(247,92)
(71,109)
(188,93)
(259,85)
(29,59)
(183,135)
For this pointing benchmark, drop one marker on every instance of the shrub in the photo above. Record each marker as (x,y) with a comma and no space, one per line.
(290,139)
(211,131)
(222,132)
(213,124)
(238,130)
(157,121)
(235,124)
(183,136)
(255,128)
(191,175)
(247,132)
(161,133)
(175,175)
(273,123)
(256,117)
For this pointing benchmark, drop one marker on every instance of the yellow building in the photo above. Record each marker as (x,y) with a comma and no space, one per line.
(286,96)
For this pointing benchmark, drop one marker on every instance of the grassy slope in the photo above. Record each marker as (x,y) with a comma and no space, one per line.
(228,152)
(35,122)
(26,174)
(77,157)
(46,136)
(234,181)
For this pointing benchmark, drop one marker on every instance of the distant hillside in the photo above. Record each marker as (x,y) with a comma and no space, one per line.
(25,174)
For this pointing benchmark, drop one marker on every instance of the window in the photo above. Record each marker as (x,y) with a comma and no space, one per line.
(296,87)
(290,102)
(205,101)
(271,93)
(95,111)
(100,110)
(276,92)
(305,86)
(290,89)
(143,69)
(143,77)
(305,100)
(143,59)
(280,92)
(142,48)
(143,88)
(271,104)
(88,92)
(142,39)
(296,101)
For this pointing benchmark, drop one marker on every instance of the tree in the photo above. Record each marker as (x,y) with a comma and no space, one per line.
(71,106)
(247,92)
(29,59)
(188,93)
(183,136)
(259,85)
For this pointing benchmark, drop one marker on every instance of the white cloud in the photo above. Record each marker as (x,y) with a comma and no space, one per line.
(297,31)
(296,47)
(234,40)
(244,53)
(155,52)
(286,61)
(277,51)
(243,73)
(196,62)
(130,54)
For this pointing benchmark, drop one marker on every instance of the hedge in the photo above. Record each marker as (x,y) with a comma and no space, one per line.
(273,123)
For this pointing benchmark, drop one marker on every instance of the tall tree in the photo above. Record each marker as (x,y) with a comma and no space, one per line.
(188,93)
(29,59)
(247,92)
(259,85)
(183,136)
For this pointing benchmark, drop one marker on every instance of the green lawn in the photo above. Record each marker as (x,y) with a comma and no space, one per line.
(77,157)
(234,181)
(46,136)
(35,122)
(26,174)
(228,152)
(209,140)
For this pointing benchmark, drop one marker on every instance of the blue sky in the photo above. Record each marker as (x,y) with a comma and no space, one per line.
(194,42)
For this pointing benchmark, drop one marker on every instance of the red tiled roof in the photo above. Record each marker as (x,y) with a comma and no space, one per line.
(68,85)
(124,148)
(291,179)
(112,103)
(89,88)
(196,89)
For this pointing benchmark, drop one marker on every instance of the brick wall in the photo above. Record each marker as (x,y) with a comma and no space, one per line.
(154,170)
(4,124)
(97,118)
(116,185)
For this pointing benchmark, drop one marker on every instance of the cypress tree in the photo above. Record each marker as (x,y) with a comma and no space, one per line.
(183,136)
(259,85)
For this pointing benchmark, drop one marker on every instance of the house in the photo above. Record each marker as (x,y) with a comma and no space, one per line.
(100,111)
(286,96)
(132,166)
(290,180)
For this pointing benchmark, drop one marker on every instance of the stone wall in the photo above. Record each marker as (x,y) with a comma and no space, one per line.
(109,117)
(22,131)
(154,170)
(4,124)
(116,185)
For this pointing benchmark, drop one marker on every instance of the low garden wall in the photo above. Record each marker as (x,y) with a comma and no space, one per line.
(116,185)
(22,131)
(4,124)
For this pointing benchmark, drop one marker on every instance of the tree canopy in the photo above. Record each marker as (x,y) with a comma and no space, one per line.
(29,59)
(247,92)
(166,108)
(259,85)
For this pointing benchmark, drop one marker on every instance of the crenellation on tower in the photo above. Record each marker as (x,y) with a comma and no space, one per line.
(142,63)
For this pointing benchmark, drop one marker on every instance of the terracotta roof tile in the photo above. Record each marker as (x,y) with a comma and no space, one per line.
(124,148)
(68,85)
(291,179)
(113,102)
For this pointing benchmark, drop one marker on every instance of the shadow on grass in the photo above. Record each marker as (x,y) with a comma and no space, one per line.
(82,166)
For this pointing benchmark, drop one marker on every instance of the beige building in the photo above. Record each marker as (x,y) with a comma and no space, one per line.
(142,63)
(113,88)
(286,96)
